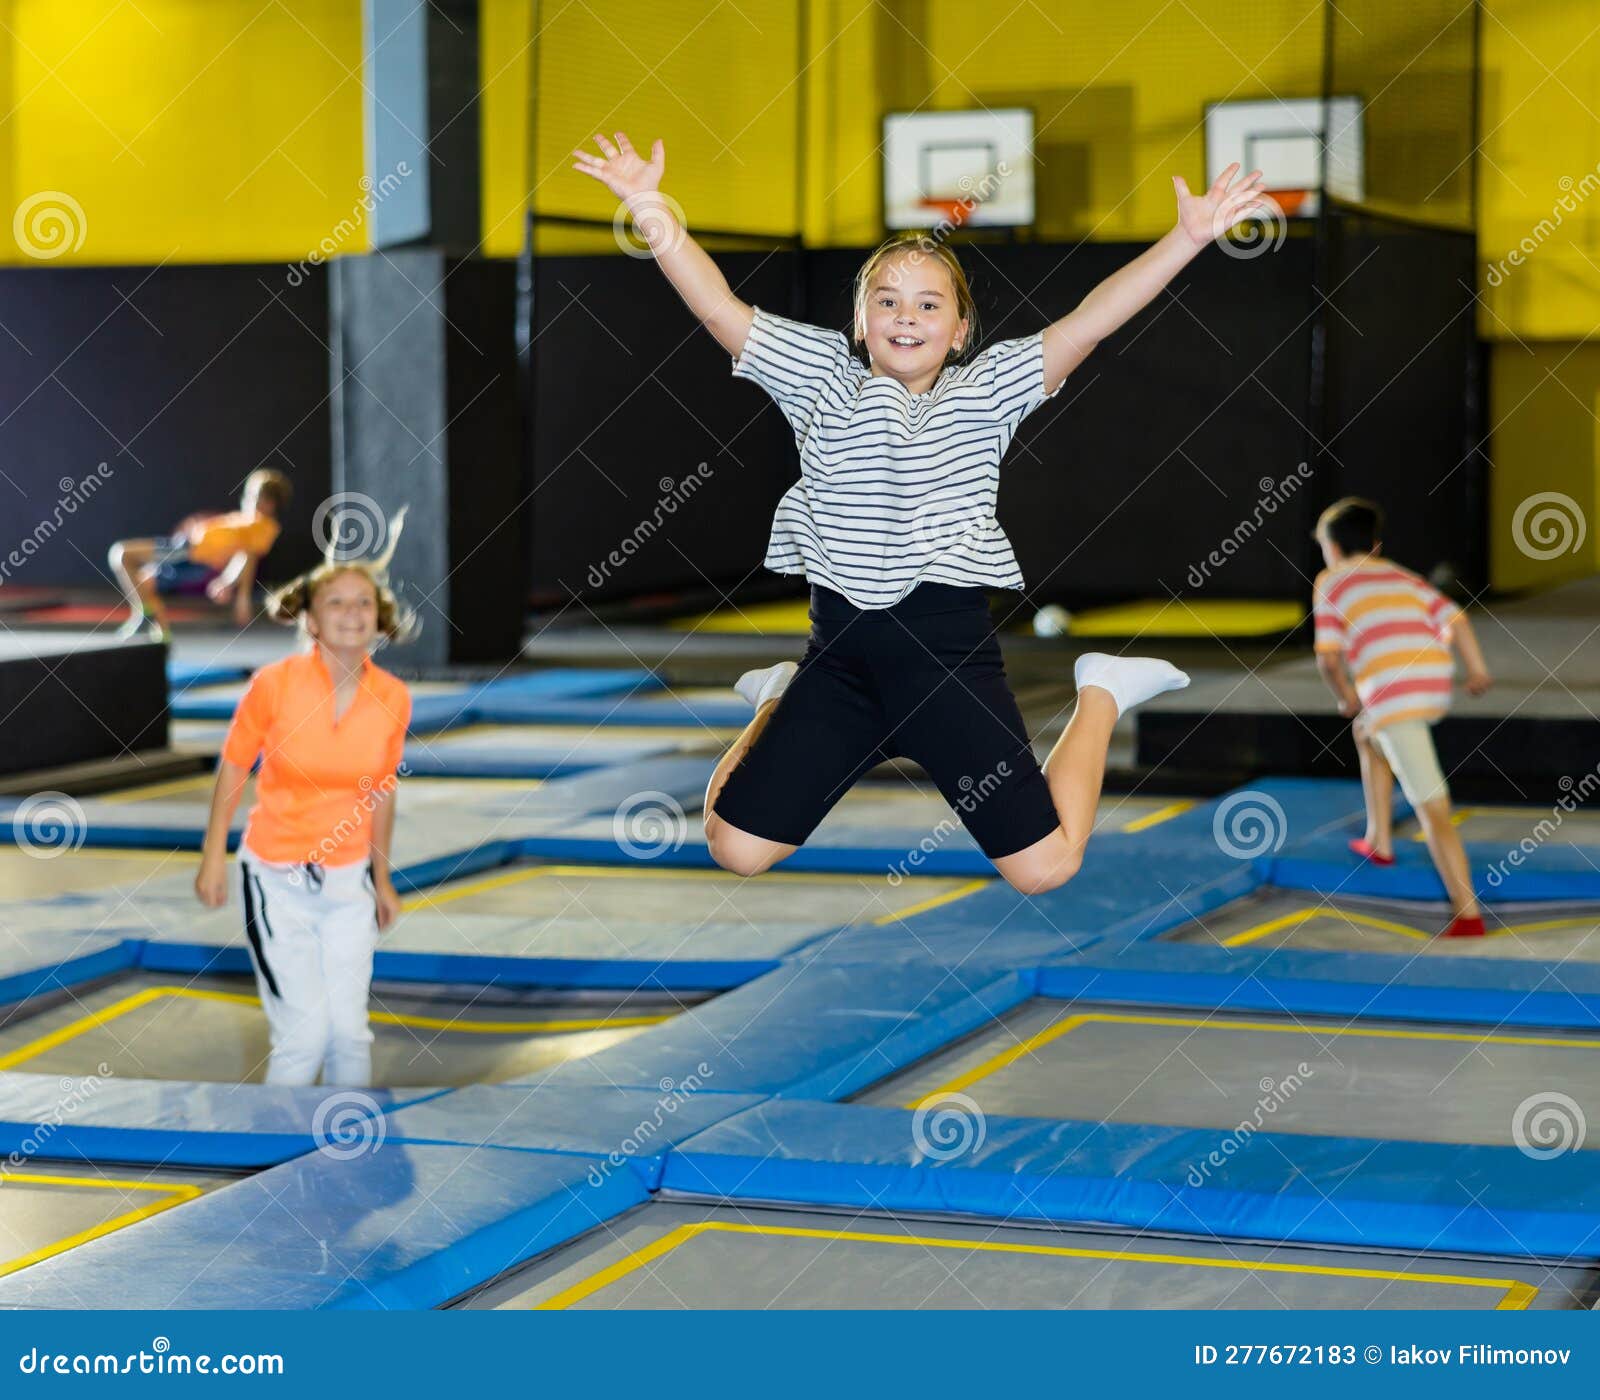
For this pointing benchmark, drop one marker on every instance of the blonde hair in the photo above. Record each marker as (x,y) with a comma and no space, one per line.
(396,622)
(920,246)
(271,486)
(291,604)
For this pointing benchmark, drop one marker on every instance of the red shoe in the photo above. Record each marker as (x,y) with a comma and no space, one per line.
(1364,848)
(1465,926)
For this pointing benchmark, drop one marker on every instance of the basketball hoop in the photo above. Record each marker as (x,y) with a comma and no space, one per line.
(954,212)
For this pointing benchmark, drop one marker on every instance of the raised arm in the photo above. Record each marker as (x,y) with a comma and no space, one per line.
(1202,219)
(637,183)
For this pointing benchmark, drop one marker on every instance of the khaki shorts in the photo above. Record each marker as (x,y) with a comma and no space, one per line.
(1407,747)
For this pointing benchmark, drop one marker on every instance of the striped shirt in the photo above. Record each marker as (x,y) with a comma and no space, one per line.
(895,488)
(1393,629)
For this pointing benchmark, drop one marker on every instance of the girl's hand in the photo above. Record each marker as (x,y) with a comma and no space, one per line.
(388,902)
(211,882)
(624,171)
(1205,218)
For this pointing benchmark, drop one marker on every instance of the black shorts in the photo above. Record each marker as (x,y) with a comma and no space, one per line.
(923,680)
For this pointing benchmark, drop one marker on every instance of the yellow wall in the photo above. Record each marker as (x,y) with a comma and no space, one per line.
(223,131)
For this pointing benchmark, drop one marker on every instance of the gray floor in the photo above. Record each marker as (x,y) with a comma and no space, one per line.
(46,1206)
(191,1029)
(1204,1070)
(728,1258)
(1294,919)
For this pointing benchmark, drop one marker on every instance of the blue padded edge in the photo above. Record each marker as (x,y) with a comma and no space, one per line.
(1283,1186)
(694,855)
(1309,982)
(478,970)
(171,1123)
(638,1125)
(1324,866)
(714,714)
(33,963)
(183,674)
(806,1030)
(429,763)
(402,1226)
(573,683)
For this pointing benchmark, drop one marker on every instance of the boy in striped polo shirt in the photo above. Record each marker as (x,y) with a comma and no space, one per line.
(1392,632)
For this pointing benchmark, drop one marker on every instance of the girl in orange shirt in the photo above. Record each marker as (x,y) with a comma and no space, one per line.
(329,727)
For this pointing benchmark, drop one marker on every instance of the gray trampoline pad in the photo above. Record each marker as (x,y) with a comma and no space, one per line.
(1296,919)
(213,1029)
(1049,1059)
(26,875)
(1508,826)
(627,895)
(669,1255)
(47,1207)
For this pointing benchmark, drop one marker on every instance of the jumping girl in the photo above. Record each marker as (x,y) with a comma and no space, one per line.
(893,522)
(329,727)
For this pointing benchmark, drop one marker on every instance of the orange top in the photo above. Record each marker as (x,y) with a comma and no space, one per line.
(320,781)
(215,539)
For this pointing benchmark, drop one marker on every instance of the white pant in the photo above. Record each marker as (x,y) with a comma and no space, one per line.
(1407,748)
(312,931)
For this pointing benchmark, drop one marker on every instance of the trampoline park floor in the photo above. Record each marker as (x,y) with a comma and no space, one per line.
(672,1254)
(47,1208)
(212,1029)
(1361,1079)
(1277,918)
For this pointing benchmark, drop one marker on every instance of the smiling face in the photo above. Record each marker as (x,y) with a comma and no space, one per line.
(344,612)
(911,322)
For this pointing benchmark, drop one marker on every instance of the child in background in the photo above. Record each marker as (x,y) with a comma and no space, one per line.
(329,727)
(214,554)
(1394,632)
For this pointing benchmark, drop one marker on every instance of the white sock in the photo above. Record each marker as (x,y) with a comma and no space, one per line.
(1131,680)
(760,686)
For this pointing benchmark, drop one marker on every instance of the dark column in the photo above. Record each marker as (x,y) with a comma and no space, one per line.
(424,371)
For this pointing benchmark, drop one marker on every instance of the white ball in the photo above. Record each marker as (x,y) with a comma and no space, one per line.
(1051,621)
